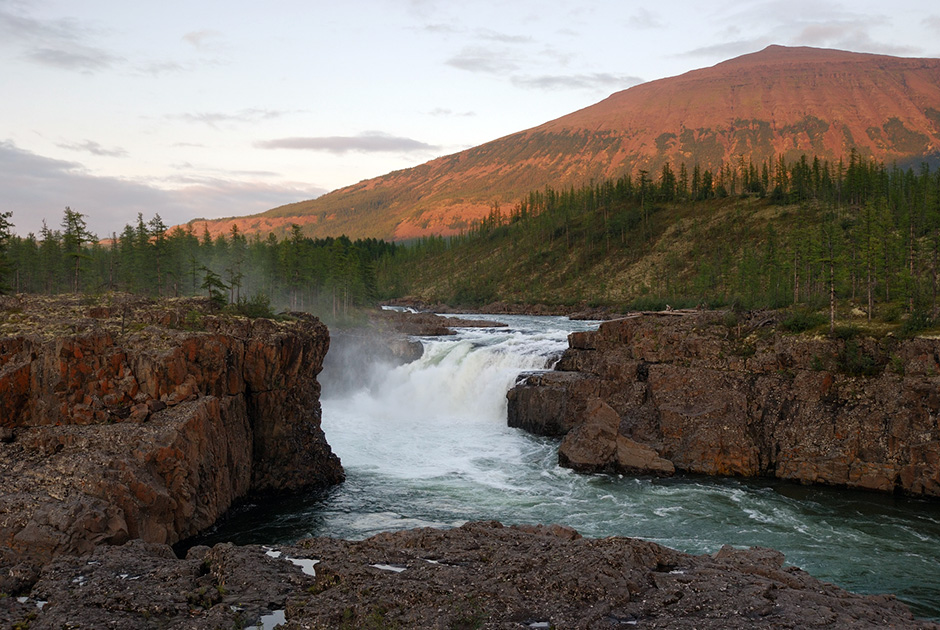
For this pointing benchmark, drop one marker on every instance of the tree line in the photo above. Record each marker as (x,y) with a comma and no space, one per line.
(330,276)
(808,232)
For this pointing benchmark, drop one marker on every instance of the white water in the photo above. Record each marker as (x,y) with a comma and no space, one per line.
(443,416)
(426,444)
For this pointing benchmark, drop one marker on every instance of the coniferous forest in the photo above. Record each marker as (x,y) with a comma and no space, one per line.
(854,234)
(331,276)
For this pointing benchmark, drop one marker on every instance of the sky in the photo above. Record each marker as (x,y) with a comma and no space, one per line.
(204,108)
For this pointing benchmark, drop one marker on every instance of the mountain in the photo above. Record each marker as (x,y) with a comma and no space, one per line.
(780,101)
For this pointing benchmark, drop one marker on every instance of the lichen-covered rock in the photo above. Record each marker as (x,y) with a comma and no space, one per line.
(716,396)
(480,575)
(128,428)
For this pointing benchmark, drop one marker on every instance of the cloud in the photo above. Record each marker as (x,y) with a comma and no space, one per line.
(445,29)
(23,27)
(847,34)
(371,142)
(485,60)
(80,58)
(932,22)
(90,146)
(503,38)
(643,19)
(213,119)
(57,43)
(594,81)
(800,23)
(158,68)
(444,111)
(36,187)
(729,49)
(203,39)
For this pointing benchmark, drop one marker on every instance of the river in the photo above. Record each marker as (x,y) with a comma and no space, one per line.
(426,444)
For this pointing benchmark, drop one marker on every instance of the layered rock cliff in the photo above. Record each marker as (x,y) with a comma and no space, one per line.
(707,393)
(141,420)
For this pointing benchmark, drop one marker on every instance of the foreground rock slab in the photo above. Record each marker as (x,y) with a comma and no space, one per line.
(481,575)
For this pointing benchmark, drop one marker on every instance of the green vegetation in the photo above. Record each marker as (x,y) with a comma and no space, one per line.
(807,235)
(250,276)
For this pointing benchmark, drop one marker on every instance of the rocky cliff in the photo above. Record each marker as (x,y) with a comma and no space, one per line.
(713,394)
(141,420)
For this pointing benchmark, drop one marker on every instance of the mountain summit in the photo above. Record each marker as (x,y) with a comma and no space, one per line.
(780,101)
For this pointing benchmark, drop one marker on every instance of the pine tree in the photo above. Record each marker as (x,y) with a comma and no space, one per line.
(74,235)
(6,233)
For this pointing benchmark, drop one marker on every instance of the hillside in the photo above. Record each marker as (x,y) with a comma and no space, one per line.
(868,239)
(758,107)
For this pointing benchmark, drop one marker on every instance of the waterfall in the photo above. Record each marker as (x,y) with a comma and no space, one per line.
(426,444)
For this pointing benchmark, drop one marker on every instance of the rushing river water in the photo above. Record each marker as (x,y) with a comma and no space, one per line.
(426,444)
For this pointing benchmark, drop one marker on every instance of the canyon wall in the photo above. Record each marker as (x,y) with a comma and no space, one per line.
(148,420)
(715,394)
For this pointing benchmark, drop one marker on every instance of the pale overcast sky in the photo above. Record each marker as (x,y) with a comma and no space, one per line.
(209,108)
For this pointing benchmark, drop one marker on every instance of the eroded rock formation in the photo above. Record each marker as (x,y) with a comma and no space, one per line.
(141,420)
(480,575)
(705,393)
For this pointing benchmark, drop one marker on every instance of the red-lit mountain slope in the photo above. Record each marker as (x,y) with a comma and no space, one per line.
(780,100)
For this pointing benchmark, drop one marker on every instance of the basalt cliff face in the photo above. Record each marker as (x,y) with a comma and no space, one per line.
(702,393)
(142,420)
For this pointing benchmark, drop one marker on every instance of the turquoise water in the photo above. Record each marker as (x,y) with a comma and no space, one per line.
(427,444)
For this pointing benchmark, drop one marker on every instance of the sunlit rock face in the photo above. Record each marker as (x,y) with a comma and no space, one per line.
(704,394)
(143,420)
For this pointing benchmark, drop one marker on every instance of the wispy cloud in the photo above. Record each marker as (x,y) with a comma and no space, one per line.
(74,57)
(503,38)
(444,111)
(214,119)
(593,81)
(799,23)
(847,34)
(485,60)
(644,19)
(159,68)
(204,39)
(729,49)
(370,142)
(90,146)
(61,43)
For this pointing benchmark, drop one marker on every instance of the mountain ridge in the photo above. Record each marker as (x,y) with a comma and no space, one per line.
(777,102)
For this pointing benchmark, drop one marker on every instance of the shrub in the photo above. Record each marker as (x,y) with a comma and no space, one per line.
(257,306)
(917,321)
(801,320)
(854,361)
(845,332)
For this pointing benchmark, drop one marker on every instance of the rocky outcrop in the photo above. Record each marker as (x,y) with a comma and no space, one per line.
(142,420)
(709,393)
(480,575)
